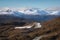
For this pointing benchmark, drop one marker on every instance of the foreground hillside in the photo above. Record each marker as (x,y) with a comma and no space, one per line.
(50,30)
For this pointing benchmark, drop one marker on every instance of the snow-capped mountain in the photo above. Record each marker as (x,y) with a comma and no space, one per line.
(30,14)
(55,13)
(28,11)
(34,11)
(53,10)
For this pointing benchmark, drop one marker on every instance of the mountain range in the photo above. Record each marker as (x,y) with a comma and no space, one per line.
(27,14)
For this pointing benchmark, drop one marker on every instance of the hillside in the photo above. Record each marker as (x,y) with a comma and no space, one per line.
(50,30)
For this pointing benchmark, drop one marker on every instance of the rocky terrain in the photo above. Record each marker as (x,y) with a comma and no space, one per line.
(50,30)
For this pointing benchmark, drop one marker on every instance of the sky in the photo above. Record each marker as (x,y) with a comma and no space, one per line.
(29,3)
